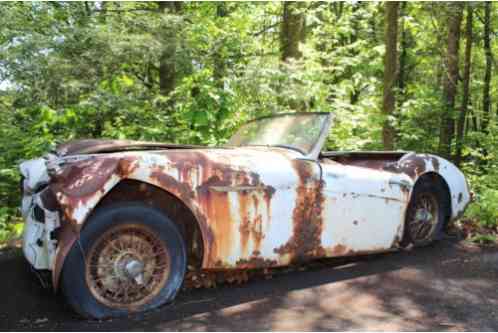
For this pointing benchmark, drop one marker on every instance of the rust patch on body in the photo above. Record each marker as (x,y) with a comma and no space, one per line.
(66,238)
(49,200)
(307,217)
(214,187)
(415,165)
(340,250)
(83,179)
(255,260)
(245,223)
(251,227)
(182,190)
(370,160)
(127,165)
(220,221)
(435,164)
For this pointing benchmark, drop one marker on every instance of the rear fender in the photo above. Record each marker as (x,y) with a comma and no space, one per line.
(416,165)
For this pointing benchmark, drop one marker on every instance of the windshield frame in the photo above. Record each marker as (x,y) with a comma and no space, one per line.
(316,146)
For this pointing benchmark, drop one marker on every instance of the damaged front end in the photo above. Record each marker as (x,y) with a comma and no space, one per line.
(41,208)
(41,214)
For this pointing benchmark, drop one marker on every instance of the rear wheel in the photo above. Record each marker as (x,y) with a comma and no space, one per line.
(130,258)
(426,214)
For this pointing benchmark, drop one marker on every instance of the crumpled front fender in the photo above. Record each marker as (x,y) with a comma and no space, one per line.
(80,187)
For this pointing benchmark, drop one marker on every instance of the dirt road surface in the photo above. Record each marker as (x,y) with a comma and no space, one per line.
(448,286)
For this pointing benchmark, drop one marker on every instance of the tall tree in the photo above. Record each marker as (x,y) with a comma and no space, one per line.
(403,54)
(293,30)
(466,84)
(486,98)
(450,80)
(219,61)
(390,72)
(356,18)
(167,60)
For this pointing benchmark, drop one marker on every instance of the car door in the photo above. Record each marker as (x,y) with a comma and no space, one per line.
(253,223)
(363,211)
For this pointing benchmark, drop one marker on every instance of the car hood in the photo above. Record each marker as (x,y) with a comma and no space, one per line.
(95,146)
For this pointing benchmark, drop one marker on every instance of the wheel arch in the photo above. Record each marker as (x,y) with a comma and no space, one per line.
(433,177)
(419,165)
(163,200)
(193,227)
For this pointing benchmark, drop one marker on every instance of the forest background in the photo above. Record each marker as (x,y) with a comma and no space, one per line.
(419,76)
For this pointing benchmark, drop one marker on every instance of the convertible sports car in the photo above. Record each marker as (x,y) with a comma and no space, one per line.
(117,222)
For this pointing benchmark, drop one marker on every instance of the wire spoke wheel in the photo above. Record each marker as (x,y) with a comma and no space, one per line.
(423,217)
(127,266)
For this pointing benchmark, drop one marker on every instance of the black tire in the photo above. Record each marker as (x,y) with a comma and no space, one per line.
(424,189)
(74,280)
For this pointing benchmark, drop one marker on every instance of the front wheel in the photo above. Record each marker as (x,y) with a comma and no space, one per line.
(130,258)
(426,214)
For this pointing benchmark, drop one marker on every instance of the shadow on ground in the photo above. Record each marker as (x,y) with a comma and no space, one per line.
(446,286)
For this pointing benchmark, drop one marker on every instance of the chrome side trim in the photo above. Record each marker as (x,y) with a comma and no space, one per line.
(237,188)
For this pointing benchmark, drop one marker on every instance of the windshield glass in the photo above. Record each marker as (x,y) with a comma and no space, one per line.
(295,131)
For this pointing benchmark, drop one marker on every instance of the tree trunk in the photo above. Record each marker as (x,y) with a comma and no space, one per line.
(219,70)
(390,69)
(354,95)
(403,55)
(466,83)
(450,79)
(219,62)
(486,98)
(293,30)
(167,60)
(102,14)
(338,7)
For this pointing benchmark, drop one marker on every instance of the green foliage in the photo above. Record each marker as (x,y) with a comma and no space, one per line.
(483,177)
(485,209)
(91,70)
(485,239)
(9,229)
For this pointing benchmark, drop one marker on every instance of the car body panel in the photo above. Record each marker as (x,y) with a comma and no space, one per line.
(365,208)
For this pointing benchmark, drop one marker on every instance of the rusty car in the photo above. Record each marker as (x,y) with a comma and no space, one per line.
(115,223)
